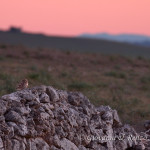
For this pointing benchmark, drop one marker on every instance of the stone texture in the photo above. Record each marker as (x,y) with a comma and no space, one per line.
(43,118)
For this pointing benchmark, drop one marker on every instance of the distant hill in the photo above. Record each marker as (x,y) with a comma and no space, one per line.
(17,37)
(128,38)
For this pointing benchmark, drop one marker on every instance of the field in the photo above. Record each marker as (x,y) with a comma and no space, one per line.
(121,82)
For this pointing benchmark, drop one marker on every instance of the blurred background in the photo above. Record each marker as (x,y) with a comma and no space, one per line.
(100,48)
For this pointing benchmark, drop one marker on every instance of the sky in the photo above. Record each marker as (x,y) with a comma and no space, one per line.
(74,17)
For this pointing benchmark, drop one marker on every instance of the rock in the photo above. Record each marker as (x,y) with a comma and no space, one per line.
(56,141)
(44,98)
(53,95)
(116,120)
(147,124)
(82,147)
(14,117)
(68,145)
(39,89)
(1,144)
(17,145)
(38,144)
(43,118)
(74,100)
(3,105)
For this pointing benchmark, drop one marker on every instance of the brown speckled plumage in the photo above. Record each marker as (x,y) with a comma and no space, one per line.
(22,85)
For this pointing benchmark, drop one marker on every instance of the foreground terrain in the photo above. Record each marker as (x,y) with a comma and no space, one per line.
(43,118)
(120,82)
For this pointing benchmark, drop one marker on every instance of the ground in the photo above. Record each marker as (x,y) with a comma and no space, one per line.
(121,82)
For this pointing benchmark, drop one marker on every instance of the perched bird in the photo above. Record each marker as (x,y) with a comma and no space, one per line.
(22,85)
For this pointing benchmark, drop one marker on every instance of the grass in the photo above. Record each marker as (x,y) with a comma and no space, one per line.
(4,76)
(3,46)
(64,74)
(7,84)
(112,58)
(26,53)
(34,76)
(145,79)
(120,82)
(2,58)
(33,68)
(140,58)
(116,74)
(79,86)
(101,84)
(41,76)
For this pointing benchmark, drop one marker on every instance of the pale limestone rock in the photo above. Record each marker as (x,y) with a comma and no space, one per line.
(43,118)
(68,145)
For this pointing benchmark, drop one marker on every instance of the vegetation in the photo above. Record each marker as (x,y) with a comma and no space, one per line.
(116,74)
(80,86)
(120,82)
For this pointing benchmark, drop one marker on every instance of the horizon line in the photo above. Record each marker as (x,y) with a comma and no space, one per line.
(78,35)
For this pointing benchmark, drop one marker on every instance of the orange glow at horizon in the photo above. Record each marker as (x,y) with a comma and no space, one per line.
(74,17)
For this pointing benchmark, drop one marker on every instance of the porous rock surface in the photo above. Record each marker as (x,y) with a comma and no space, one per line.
(43,118)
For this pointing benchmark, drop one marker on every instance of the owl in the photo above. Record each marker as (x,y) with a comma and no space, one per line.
(22,85)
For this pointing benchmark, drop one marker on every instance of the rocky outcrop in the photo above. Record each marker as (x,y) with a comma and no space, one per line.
(42,118)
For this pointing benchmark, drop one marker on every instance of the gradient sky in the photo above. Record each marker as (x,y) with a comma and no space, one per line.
(73,17)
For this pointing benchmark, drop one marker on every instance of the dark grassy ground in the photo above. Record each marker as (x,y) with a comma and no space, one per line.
(121,82)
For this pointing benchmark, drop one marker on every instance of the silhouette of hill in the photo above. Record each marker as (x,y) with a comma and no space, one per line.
(72,43)
(128,38)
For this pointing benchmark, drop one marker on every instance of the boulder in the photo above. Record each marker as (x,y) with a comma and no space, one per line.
(44,118)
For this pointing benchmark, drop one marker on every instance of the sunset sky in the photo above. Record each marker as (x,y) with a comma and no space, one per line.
(74,17)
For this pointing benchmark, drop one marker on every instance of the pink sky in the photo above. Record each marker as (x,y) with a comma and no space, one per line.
(73,17)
